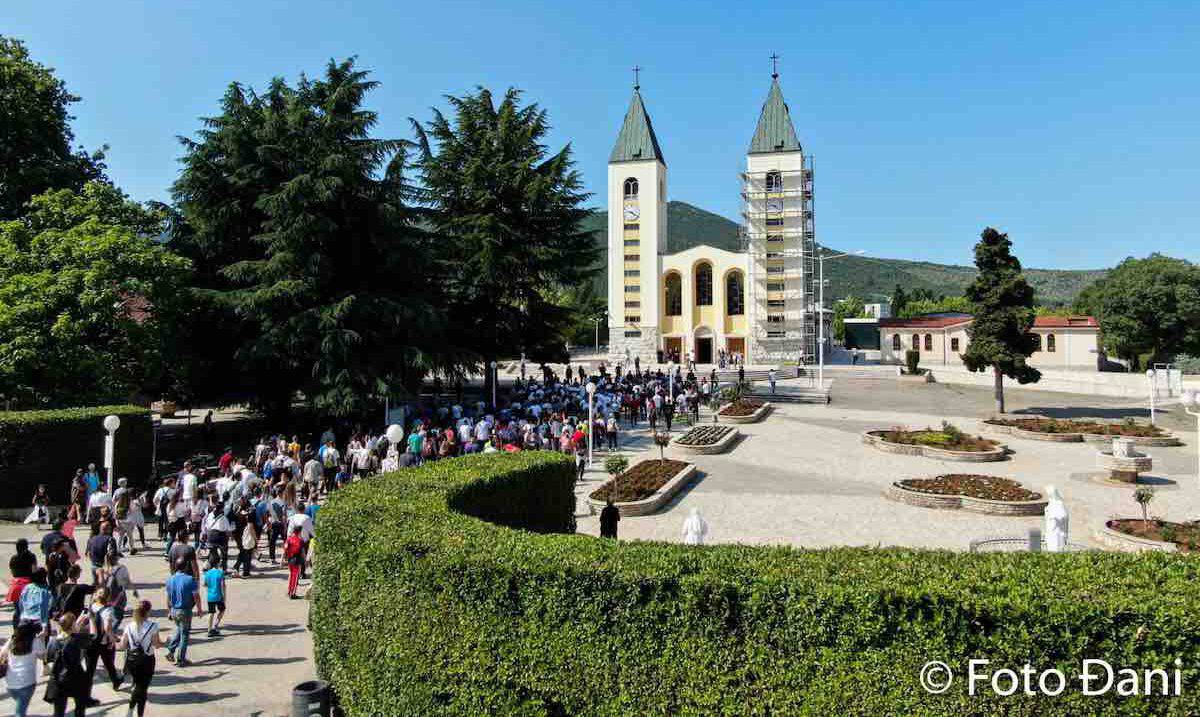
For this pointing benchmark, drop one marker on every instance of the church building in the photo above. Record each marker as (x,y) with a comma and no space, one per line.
(758,303)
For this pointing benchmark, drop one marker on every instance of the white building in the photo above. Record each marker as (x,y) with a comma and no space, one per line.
(1064,342)
(759,303)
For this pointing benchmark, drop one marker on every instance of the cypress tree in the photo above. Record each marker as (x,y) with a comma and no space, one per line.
(1000,337)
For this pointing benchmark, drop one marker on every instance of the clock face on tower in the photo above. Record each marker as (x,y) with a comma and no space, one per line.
(632,212)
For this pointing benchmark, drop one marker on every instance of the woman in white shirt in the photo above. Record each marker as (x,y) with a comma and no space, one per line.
(217,528)
(21,659)
(139,638)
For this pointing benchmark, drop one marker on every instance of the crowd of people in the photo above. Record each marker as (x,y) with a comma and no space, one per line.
(216,523)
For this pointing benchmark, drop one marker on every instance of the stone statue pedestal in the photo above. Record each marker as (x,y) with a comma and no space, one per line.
(1123,461)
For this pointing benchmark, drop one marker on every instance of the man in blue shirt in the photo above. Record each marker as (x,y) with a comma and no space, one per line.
(183,599)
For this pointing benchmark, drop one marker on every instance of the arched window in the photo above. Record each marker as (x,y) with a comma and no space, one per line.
(704,285)
(928,342)
(916,342)
(1037,342)
(895,342)
(674,295)
(774,182)
(735,301)
(631,188)
(1050,343)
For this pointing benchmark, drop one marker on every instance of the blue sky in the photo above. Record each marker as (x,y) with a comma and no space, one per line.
(1072,126)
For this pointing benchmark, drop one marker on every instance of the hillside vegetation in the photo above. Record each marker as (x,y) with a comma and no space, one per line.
(867,277)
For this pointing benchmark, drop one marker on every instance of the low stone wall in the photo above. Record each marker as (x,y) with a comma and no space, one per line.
(755,417)
(1169,439)
(651,504)
(1130,543)
(1150,441)
(926,377)
(1031,435)
(1092,383)
(900,494)
(999,453)
(722,445)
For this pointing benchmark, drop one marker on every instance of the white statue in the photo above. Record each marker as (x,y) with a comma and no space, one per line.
(694,529)
(1058,521)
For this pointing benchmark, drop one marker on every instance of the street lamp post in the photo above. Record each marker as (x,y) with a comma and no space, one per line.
(591,392)
(671,380)
(821,312)
(111,424)
(1191,404)
(1150,378)
(495,380)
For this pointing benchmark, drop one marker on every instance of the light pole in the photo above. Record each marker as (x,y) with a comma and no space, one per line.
(1153,390)
(821,312)
(495,380)
(111,424)
(591,392)
(1191,404)
(671,380)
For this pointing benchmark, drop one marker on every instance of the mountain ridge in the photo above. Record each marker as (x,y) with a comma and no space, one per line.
(869,278)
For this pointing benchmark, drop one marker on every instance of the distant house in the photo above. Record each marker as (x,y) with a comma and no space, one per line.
(1064,342)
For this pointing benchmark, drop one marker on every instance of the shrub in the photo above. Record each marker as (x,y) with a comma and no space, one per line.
(912,359)
(616,464)
(422,609)
(48,446)
(1143,496)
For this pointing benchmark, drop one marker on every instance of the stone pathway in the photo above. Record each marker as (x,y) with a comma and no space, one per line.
(803,477)
(264,649)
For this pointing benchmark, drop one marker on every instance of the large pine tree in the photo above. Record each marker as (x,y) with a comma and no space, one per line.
(1000,337)
(507,214)
(313,268)
(35,133)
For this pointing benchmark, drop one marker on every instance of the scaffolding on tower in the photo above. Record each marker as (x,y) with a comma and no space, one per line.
(778,233)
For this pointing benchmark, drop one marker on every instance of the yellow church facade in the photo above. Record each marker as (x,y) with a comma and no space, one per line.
(702,302)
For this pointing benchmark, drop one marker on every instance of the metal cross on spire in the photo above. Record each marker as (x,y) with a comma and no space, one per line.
(637,85)
(774,66)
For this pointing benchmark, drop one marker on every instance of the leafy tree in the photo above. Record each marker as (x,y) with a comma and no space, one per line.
(1000,337)
(899,300)
(35,134)
(944,305)
(850,307)
(1147,308)
(309,259)
(508,216)
(85,291)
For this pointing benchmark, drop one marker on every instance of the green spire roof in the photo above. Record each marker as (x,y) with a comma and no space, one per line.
(636,140)
(775,132)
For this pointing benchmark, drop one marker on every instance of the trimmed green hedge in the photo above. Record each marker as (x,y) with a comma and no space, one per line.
(423,606)
(48,446)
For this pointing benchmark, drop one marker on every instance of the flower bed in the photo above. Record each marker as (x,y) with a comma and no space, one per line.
(976,493)
(1068,430)
(744,411)
(1160,535)
(741,407)
(947,444)
(711,438)
(641,481)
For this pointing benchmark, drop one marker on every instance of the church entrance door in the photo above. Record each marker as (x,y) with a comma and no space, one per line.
(704,350)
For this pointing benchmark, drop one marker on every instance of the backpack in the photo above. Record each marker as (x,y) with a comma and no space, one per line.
(135,656)
(123,506)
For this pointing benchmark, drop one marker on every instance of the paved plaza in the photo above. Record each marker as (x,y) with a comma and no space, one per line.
(264,648)
(802,477)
